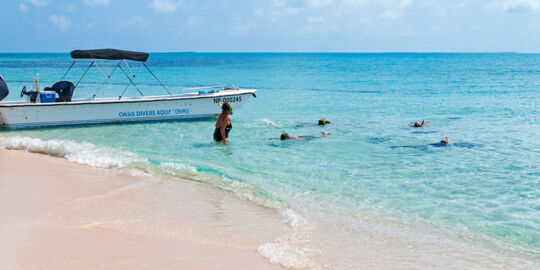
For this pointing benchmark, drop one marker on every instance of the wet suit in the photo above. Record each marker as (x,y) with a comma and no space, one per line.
(217,133)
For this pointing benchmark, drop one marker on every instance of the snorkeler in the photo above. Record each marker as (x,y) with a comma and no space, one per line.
(321,122)
(418,124)
(444,142)
(223,124)
(285,136)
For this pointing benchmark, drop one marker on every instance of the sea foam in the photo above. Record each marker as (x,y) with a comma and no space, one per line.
(173,168)
(83,153)
(292,250)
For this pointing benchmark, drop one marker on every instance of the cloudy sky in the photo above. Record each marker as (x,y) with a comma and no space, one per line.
(272,25)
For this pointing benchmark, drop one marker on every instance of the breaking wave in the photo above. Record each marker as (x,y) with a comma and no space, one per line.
(82,153)
(291,250)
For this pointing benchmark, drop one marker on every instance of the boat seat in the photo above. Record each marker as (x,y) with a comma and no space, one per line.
(64,89)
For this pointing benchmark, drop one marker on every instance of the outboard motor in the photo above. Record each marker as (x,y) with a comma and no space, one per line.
(64,89)
(4,91)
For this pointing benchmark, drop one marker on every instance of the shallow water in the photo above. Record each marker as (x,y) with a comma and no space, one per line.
(484,185)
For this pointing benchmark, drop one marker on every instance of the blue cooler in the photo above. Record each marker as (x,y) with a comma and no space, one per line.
(47,96)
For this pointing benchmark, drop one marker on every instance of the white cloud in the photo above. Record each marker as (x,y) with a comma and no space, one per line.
(60,22)
(95,3)
(317,20)
(277,9)
(39,3)
(514,5)
(23,8)
(165,6)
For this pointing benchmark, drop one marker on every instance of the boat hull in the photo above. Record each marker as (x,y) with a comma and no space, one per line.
(104,111)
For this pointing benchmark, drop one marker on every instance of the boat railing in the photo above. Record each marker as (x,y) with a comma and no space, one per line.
(114,55)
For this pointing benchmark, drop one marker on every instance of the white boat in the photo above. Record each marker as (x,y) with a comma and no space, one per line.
(55,107)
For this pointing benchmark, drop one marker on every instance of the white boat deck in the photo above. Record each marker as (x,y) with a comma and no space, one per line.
(219,94)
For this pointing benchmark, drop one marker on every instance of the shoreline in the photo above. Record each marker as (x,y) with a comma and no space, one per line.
(62,215)
(138,220)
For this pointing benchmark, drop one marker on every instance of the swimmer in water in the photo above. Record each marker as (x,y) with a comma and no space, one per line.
(285,136)
(418,124)
(445,141)
(321,122)
(223,124)
(442,143)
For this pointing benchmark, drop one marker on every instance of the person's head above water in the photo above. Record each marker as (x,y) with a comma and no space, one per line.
(445,141)
(419,124)
(284,136)
(226,107)
(323,122)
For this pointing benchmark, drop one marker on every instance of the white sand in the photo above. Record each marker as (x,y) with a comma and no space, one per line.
(60,215)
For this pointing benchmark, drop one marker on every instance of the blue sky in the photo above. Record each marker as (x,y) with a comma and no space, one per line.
(272,25)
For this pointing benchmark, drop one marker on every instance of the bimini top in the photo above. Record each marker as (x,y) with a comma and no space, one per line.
(109,54)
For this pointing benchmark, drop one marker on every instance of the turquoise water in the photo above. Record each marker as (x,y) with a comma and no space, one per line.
(485,183)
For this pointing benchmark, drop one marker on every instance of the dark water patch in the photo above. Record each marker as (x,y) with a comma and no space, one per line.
(307,125)
(453,118)
(418,147)
(377,140)
(280,144)
(467,144)
(424,132)
(203,145)
(308,137)
(439,144)
(425,147)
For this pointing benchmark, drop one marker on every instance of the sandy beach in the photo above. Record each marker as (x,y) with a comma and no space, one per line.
(61,215)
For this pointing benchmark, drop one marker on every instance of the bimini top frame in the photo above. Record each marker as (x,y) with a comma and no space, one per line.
(113,54)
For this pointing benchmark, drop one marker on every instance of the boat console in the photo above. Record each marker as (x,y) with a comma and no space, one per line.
(64,89)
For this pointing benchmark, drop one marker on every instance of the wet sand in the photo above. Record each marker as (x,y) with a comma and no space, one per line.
(56,214)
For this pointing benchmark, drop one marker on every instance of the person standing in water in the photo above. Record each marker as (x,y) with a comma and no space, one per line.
(223,124)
